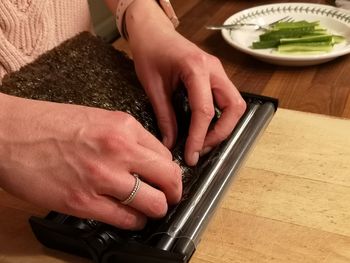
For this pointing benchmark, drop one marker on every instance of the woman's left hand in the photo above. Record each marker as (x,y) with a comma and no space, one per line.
(163,59)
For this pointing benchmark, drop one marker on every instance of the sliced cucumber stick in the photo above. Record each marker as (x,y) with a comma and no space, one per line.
(300,47)
(298,37)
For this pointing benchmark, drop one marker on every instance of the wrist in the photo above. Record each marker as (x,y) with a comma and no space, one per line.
(144,15)
(141,24)
(5,114)
(5,106)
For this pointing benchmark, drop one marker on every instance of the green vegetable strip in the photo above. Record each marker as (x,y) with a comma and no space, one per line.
(298,38)
(286,33)
(294,25)
(338,39)
(265,44)
(305,39)
(320,46)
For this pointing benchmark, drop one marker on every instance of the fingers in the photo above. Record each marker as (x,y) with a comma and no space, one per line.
(147,140)
(161,182)
(232,107)
(132,152)
(202,112)
(111,211)
(166,122)
(137,152)
(164,111)
(157,171)
(201,88)
(149,200)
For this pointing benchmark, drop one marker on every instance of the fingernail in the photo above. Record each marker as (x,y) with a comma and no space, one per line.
(195,158)
(140,223)
(165,141)
(206,150)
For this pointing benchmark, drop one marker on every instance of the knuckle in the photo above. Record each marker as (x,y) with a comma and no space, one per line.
(76,201)
(177,176)
(215,60)
(194,64)
(94,175)
(207,111)
(221,135)
(128,120)
(111,141)
(199,58)
(91,169)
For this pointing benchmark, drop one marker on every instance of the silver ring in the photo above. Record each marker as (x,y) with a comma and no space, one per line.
(133,193)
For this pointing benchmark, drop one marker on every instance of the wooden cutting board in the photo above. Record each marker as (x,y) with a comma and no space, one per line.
(289,203)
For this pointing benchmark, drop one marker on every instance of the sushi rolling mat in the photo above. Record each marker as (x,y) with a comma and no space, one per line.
(289,202)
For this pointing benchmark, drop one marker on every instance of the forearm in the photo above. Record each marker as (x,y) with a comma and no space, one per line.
(6,103)
(6,133)
(142,12)
(146,17)
(3,113)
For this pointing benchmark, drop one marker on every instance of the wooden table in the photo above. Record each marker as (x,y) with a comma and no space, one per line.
(290,202)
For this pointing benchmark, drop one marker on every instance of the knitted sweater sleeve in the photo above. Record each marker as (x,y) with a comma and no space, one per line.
(30,28)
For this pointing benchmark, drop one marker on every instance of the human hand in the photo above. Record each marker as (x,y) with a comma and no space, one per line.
(163,59)
(343,4)
(79,161)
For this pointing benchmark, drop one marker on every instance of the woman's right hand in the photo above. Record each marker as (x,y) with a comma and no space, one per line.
(79,161)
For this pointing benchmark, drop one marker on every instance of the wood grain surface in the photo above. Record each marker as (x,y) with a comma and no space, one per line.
(321,89)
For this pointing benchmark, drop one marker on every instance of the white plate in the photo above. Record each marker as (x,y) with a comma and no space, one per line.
(336,20)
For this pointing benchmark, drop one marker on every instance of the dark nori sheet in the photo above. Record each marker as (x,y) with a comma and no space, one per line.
(87,71)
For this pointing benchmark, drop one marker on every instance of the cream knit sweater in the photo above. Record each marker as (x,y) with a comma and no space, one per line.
(30,27)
